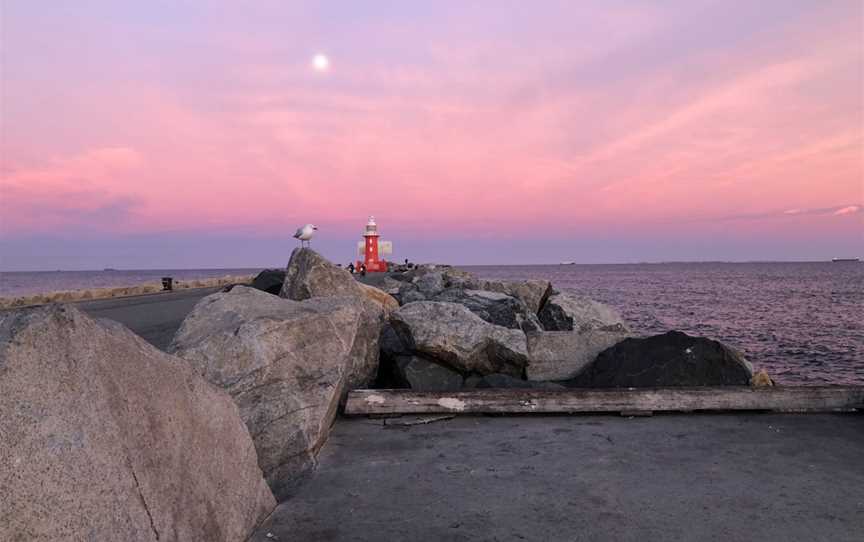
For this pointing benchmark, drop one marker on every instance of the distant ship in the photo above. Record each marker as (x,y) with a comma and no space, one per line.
(567,263)
(845,259)
(109,269)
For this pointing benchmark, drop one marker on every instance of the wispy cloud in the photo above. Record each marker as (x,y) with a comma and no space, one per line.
(839,210)
(848,210)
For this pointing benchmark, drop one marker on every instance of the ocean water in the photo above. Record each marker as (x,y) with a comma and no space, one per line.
(802,322)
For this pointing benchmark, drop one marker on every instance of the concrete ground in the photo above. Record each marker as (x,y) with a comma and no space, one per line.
(672,477)
(154,317)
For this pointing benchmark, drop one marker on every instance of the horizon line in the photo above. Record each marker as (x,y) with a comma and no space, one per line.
(546,264)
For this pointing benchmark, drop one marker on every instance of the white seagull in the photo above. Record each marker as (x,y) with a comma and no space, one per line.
(305,233)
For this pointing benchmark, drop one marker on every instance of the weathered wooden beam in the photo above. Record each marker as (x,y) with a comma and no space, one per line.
(521,401)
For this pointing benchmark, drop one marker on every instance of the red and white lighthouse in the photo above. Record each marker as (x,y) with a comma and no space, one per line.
(370,248)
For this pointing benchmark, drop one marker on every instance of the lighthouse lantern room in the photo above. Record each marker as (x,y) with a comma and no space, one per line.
(371,247)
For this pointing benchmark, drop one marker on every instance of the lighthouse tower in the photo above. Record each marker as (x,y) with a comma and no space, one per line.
(370,251)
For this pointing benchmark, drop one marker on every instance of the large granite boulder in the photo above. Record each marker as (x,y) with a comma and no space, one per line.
(533,293)
(452,334)
(287,364)
(104,437)
(311,275)
(386,302)
(269,280)
(496,308)
(561,355)
(563,312)
(670,359)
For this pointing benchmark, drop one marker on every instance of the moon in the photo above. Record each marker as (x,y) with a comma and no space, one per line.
(320,62)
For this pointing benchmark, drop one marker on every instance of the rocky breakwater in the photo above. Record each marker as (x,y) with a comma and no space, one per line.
(288,360)
(104,437)
(454,330)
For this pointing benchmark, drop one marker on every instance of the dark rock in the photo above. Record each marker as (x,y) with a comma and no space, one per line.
(563,312)
(506,381)
(496,308)
(561,355)
(392,344)
(534,293)
(670,359)
(472,382)
(507,304)
(426,282)
(425,375)
(269,280)
(393,349)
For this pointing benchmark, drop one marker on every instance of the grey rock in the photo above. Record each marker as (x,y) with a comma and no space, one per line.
(670,359)
(496,308)
(429,285)
(534,293)
(311,275)
(409,294)
(452,334)
(426,282)
(490,300)
(269,280)
(287,365)
(424,375)
(561,355)
(390,285)
(104,437)
(563,312)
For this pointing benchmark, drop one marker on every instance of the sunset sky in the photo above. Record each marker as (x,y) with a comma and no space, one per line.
(198,134)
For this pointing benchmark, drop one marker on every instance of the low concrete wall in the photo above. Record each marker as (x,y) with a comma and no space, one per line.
(118,291)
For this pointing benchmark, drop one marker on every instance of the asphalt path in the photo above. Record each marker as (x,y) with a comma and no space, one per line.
(688,477)
(155,317)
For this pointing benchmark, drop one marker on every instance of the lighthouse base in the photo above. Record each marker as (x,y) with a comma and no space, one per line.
(373,267)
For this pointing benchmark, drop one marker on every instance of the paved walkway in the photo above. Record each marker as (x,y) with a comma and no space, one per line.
(671,477)
(155,317)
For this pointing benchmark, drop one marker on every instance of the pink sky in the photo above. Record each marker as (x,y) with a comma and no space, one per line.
(606,131)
